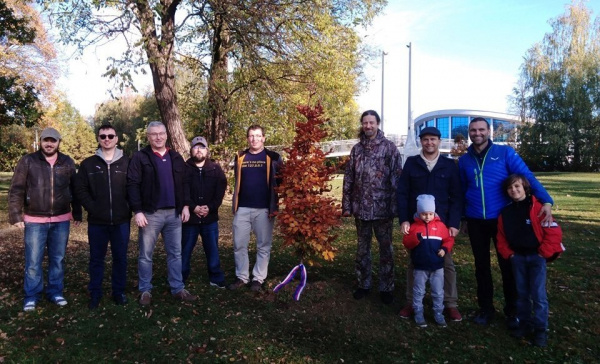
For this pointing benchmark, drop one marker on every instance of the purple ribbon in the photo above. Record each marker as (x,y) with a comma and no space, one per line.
(290,277)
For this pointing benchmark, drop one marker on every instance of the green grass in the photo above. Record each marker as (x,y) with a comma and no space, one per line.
(326,325)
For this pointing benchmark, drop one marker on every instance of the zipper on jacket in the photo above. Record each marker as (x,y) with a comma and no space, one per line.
(52,188)
(110,195)
(479,179)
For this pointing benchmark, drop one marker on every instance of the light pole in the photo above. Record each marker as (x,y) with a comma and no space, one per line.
(383,54)
(409,80)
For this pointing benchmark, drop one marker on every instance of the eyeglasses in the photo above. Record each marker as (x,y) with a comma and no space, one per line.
(154,135)
(109,136)
(199,146)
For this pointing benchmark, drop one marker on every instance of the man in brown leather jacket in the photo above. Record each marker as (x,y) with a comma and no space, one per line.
(40,201)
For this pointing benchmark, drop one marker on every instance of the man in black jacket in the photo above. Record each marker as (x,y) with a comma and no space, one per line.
(155,190)
(207,184)
(432,174)
(101,187)
(40,201)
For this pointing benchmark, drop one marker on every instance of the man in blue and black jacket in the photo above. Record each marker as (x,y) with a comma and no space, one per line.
(482,171)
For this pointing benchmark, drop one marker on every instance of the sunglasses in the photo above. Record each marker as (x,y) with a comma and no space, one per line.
(109,136)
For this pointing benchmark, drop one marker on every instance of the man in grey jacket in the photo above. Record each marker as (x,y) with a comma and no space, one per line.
(369,194)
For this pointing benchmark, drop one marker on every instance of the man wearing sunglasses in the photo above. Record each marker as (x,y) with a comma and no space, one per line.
(101,186)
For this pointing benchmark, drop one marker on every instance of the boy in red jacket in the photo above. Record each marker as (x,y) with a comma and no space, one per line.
(528,244)
(428,241)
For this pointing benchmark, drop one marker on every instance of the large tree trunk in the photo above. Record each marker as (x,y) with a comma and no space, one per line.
(160,55)
(218,94)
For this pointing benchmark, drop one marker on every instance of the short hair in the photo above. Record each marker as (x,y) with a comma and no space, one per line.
(155,124)
(514,178)
(478,119)
(104,127)
(255,127)
(370,112)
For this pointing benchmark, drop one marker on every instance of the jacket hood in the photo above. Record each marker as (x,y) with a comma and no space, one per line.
(118,155)
(378,138)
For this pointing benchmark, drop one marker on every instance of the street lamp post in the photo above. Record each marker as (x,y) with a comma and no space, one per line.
(409,80)
(383,54)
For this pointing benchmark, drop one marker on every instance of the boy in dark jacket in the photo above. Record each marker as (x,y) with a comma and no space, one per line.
(428,241)
(528,243)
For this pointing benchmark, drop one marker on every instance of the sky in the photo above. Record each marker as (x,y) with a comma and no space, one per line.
(466,54)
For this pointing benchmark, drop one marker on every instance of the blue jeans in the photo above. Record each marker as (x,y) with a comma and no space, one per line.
(436,282)
(167,223)
(99,236)
(210,239)
(530,278)
(38,237)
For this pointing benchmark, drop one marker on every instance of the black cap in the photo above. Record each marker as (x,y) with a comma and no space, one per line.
(430,130)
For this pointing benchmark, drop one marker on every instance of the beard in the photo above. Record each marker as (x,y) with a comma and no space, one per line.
(198,159)
(49,152)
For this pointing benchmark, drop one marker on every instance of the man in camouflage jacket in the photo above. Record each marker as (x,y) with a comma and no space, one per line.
(369,195)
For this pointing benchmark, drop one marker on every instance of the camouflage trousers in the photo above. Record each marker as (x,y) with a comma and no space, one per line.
(383,233)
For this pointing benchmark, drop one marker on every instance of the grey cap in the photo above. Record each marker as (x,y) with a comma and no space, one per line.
(199,140)
(430,130)
(50,133)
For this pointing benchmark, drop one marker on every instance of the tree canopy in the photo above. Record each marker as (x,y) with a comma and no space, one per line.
(26,63)
(255,60)
(559,90)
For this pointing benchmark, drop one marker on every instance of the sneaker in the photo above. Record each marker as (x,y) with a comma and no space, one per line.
(94,302)
(512,323)
(440,320)
(483,318)
(59,301)
(220,285)
(406,312)
(386,297)
(360,293)
(120,299)
(420,319)
(540,338)
(29,306)
(453,314)
(256,286)
(184,295)
(145,298)
(236,285)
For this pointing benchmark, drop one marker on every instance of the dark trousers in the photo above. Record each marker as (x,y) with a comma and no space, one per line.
(210,242)
(480,233)
(99,236)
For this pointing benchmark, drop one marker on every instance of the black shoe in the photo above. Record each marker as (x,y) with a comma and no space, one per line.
(540,338)
(256,286)
(483,317)
(120,299)
(220,285)
(523,330)
(236,285)
(94,302)
(386,297)
(512,323)
(360,293)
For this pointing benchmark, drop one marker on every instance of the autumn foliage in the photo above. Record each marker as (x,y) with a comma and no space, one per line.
(308,214)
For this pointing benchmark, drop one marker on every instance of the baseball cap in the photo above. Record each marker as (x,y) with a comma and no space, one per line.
(50,133)
(199,140)
(430,130)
